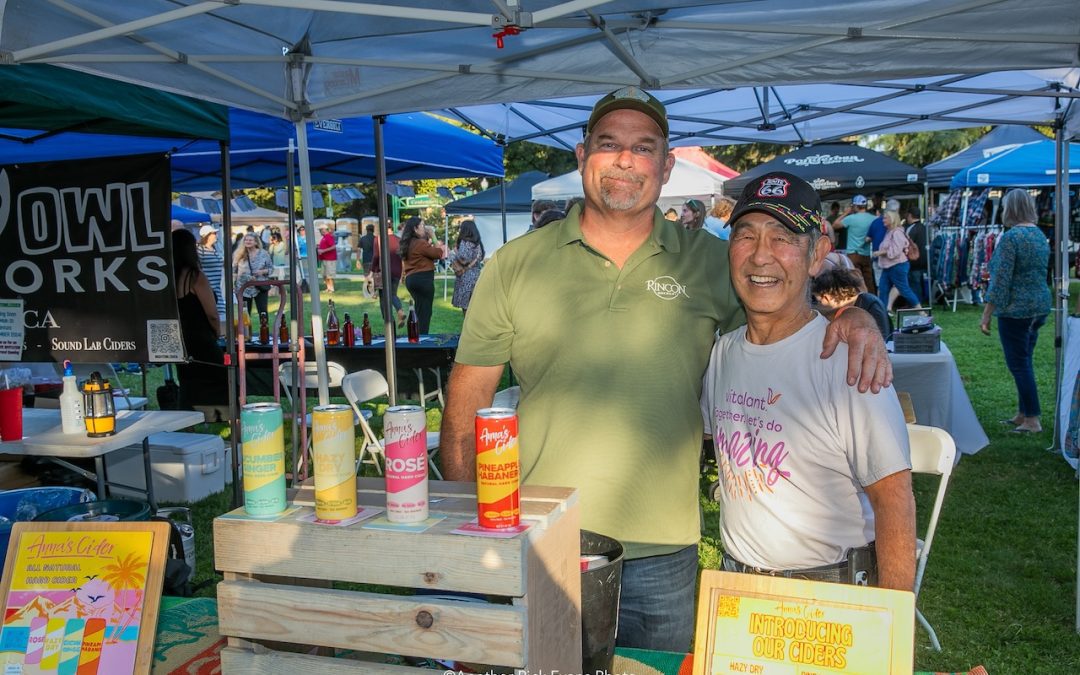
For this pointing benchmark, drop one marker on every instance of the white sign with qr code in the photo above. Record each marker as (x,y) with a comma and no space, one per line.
(164,341)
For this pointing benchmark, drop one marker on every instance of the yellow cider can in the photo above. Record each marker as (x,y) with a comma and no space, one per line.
(333,456)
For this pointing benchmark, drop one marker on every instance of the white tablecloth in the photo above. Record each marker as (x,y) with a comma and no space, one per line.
(938,396)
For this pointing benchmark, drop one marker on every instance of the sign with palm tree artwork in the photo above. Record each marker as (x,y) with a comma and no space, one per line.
(81,598)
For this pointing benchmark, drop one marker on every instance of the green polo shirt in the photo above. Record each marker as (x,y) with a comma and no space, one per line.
(610,364)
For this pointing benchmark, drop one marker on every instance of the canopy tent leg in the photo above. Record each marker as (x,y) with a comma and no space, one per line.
(230,314)
(384,257)
(312,268)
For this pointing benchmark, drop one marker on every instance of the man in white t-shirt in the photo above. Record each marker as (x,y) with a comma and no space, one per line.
(815,477)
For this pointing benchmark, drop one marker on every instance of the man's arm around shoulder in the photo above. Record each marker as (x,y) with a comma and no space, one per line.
(470,388)
(894,530)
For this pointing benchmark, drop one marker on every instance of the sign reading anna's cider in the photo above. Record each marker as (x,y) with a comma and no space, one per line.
(498,469)
(334,458)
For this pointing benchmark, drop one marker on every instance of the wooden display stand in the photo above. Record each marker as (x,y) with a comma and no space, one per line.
(278,574)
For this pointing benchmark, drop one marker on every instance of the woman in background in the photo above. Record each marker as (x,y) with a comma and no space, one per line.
(892,256)
(418,256)
(693,214)
(251,263)
(1019,297)
(279,253)
(213,266)
(203,379)
(468,254)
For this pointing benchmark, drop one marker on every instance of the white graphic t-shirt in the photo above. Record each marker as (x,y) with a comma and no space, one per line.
(795,445)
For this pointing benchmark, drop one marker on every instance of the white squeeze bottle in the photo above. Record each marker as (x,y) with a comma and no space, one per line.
(71,412)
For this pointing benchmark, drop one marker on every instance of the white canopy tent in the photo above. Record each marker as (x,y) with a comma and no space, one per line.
(688,180)
(304,59)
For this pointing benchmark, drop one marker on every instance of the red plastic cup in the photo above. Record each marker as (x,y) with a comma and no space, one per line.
(11,427)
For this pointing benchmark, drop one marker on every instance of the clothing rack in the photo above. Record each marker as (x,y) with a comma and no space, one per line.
(940,285)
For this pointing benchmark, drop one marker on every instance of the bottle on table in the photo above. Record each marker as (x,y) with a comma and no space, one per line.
(283,329)
(245,318)
(264,328)
(365,330)
(413,325)
(333,331)
(71,402)
(348,331)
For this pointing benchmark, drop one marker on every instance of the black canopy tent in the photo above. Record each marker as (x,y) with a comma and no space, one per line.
(839,170)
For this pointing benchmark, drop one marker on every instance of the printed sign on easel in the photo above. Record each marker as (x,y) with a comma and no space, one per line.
(748,623)
(82,598)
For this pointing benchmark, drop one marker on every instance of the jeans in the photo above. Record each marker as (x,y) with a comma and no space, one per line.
(260,301)
(917,281)
(656,606)
(394,299)
(866,268)
(1018,338)
(896,276)
(421,286)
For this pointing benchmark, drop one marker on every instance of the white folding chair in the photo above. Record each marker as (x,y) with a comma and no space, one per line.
(364,386)
(286,377)
(932,452)
(436,393)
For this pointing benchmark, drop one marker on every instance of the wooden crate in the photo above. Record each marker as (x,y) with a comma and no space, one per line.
(276,588)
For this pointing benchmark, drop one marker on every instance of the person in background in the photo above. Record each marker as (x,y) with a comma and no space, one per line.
(834,503)
(838,236)
(857,223)
(367,254)
(838,287)
(327,253)
(1020,299)
(574,201)
(892,256)
(467,256)
(213,267)
(549,217)
(388,297)
(672,215)
(539,207)
(585,311)
(716,222)
(279,252)
(693,214)
(203,379)
(251,263)
(915,229)
(418,256)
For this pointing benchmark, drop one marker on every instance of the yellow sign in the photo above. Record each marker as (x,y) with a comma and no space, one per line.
(81,598)
(776,626)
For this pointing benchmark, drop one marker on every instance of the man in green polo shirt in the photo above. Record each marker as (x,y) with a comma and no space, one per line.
(608,318)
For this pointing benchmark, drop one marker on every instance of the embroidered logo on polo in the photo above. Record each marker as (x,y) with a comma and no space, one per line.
(773,188)
(666,288)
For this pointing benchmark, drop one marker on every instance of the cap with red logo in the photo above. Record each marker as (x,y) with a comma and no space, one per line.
(788,198)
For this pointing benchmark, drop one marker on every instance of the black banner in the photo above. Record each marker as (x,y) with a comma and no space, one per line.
(87,247)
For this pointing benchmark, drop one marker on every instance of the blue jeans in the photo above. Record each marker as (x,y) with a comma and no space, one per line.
(896,277)
(1018,338)
(656,605)
(917,280)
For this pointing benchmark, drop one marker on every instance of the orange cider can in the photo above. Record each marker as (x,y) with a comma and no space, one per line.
(498,468)
(333,455)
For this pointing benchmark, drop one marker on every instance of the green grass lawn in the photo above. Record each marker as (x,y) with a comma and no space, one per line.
(1000,586)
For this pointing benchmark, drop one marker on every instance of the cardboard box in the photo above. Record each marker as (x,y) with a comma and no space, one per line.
(186,467)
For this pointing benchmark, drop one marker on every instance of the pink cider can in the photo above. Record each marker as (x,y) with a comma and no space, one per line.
(405,434)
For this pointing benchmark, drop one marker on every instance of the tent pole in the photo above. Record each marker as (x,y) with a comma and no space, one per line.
(446,277)
(296,301)
(313,272)
(384,257)
(1061,286)
(502,205)
(230,314)
(929,281)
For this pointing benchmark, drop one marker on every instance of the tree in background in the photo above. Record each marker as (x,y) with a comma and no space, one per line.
(525,156)
(744,157)
(926,147)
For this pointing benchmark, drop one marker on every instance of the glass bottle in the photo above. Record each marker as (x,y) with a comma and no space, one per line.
(333,333)
(348,331)
(264,328)
(365,330)
(283,329)
(413,325)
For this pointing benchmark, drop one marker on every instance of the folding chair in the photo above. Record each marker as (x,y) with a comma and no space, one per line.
(932,452)
(364,386)
(335,374)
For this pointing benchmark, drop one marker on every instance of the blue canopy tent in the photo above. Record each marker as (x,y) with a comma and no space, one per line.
(1027,165)
(189,216)
(417,146)
(998,139)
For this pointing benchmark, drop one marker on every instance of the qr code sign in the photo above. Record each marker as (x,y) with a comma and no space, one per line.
(164,341)
(727,607)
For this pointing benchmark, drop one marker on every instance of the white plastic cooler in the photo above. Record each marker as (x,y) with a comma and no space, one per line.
(186,467)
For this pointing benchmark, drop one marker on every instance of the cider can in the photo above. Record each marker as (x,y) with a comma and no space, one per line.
(498,468)
(264,458)
(405,431)
(333,456)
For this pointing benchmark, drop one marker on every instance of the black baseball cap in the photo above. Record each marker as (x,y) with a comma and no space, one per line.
(786,197)
(630,98)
